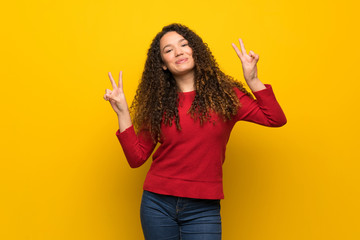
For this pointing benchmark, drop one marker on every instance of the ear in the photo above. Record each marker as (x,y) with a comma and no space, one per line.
(164,67)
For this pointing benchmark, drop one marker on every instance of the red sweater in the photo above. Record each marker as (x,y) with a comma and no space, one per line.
(188,163)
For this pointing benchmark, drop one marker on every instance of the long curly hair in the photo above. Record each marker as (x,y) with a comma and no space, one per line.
(156,99)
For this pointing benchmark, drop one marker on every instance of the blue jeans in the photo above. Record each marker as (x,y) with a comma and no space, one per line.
(166,217)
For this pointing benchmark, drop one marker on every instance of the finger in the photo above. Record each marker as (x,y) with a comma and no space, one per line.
(106,96)
(120,80)
(242,46)
(108,92)
(112,80)
(254,55)
(237,50)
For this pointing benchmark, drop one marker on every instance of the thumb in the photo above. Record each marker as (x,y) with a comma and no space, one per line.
(253,55)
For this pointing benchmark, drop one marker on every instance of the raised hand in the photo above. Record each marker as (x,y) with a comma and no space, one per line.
(248,61)
(116,97)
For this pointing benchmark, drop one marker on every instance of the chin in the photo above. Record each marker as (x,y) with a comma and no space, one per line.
(185,68)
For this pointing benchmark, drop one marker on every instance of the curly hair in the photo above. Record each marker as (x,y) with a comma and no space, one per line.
(157,97)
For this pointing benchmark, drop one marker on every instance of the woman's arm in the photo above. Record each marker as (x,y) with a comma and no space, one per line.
(265,110)
(137,148)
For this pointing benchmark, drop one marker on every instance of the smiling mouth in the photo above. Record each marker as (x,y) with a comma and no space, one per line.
(181,61)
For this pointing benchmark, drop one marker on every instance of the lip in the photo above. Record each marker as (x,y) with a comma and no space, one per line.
(180,61)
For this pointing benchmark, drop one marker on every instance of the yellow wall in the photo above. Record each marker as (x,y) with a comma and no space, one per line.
(63,174)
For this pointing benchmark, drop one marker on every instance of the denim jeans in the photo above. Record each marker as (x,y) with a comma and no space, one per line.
(166,217)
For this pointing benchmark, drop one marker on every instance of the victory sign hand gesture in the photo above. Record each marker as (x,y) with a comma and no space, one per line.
(249,67)
(248,61)
(116,97)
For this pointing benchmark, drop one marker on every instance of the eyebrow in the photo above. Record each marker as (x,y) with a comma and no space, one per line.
(170,44)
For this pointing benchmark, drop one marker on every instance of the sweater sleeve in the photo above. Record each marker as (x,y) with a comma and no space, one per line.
(265,110)
(137,147)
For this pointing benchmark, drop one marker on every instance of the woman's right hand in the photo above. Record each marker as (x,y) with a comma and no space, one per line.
(116,97)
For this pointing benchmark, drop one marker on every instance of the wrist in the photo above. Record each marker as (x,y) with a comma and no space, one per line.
(122,112)
(255,84)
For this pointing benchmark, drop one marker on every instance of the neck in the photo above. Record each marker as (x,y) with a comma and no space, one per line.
(186,82)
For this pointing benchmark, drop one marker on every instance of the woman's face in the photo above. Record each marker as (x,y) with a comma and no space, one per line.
(176,54)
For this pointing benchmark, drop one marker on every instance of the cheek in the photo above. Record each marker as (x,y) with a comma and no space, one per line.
(190,52)
(165,59)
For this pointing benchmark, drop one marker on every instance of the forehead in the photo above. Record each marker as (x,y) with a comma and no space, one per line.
(170,38)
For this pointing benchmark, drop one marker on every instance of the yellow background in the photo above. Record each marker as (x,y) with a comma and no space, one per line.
(63,174)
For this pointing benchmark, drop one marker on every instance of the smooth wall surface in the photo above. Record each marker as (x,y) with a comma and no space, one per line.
(62,171)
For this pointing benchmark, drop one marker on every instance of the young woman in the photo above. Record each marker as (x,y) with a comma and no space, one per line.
(189,106)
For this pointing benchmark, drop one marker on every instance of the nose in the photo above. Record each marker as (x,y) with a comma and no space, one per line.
(178,52)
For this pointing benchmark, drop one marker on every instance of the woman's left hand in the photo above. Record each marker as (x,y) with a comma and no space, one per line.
(248,62)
